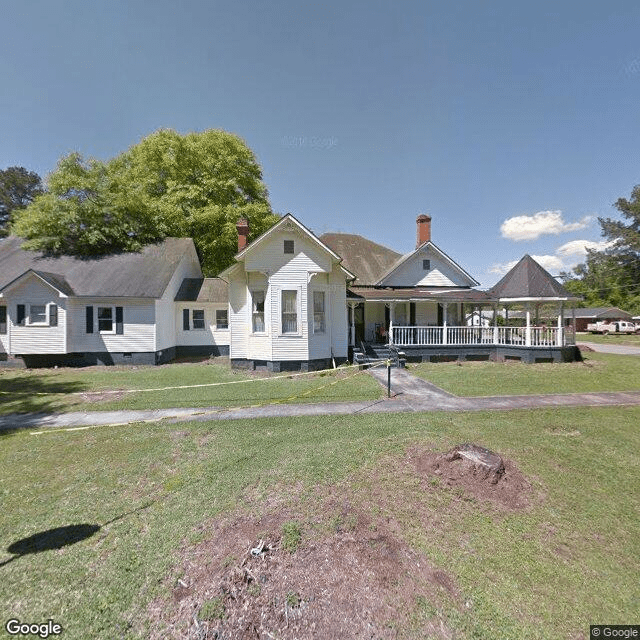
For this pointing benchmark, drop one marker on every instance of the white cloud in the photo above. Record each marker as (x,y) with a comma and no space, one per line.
(579,247)
(541,223)
(502,267)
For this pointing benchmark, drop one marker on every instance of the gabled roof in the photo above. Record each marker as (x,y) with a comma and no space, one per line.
(290,221)
(203,290)
(143,274)
(366,259)
(428,245)
(528,280)
(415,294)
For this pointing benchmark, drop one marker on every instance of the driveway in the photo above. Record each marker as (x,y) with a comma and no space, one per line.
(620,349)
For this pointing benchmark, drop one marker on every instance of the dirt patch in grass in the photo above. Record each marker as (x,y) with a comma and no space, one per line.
(102,396)
(358,581)
(510,491)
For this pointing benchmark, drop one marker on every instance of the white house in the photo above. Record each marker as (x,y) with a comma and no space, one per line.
(291,300)
(144,307)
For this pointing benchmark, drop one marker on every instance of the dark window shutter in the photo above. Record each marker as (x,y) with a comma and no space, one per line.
(185,319)
(89,319)
(3,319)
(53,315)
(119,321)
(21,314)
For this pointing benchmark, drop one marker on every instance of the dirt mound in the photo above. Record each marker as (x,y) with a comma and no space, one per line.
(248,581)
(478,472)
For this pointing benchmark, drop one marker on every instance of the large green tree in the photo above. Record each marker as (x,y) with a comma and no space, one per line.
(18,188)
(612,276)
(195,185)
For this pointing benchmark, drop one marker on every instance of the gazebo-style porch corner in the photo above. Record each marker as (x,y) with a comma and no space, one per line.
(431,324)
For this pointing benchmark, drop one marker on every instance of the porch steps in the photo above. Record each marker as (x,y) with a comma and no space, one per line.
(369,353)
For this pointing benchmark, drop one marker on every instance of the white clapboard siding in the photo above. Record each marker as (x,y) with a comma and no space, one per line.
(440,274)
(239,314)
(36,339)
(208,336)
(166,326)
(139,326)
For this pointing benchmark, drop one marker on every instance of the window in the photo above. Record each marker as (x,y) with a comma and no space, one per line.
(288,246)
(37,314)
(289,312)
(222,319)
(257,302)
(426,265)
(3,319)
(105,319)
(198,319)
(318,312)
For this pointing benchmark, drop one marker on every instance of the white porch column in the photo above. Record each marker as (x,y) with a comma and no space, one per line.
(352,329)
(392,306)
(527,335)
(445,306)
(495,324)
(560,340)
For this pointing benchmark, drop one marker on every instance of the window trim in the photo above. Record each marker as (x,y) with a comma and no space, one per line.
(226,325)
(193,320)
(42,323)
(298,331)
(252,293)
(112,331)
(324,311)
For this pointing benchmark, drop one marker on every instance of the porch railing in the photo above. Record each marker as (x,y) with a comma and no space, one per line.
(521,336)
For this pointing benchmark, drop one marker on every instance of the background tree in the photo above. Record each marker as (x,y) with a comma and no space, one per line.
(612,277)
(195,185)
(18,188)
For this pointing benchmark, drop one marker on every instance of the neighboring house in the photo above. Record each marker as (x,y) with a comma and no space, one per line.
(291,300)
(591,315)
(114,309)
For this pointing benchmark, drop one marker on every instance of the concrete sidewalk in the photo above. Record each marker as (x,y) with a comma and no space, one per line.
(409,394)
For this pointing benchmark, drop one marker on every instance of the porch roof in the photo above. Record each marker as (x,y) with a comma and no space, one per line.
(417,294)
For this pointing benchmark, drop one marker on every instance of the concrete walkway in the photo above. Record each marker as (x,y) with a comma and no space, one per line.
(409,394)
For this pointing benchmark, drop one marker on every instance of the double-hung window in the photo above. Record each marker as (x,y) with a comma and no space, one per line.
(193,319)
(110,319)
(222,319)
(257,313)
(105,319)
(318,312)
(289,311)
(38,314)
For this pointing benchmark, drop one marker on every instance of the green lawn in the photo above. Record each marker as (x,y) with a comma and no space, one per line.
(67,389)
(632,340)
(598,372)
(546,572)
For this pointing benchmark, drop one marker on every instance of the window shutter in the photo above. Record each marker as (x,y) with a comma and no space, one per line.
(185,319)
(89,324)
(53,315)
(21,314)
(3,319)
(119,321)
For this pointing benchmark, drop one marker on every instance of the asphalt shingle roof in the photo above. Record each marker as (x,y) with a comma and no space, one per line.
(143,274)
(528,279)
(364,258)
(203,290)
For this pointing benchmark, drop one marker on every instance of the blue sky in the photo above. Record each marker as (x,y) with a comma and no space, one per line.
(514,125)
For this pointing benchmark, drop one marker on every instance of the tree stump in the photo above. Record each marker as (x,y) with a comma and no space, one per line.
(483,461)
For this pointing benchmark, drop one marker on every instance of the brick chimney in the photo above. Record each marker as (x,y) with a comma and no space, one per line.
(243,233)
(423,223)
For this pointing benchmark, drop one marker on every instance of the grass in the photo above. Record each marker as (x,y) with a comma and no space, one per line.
(149,491)
(629,339)
(66,389)
(598,372)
